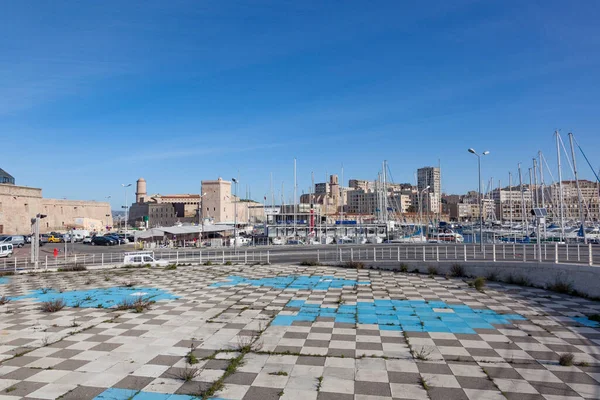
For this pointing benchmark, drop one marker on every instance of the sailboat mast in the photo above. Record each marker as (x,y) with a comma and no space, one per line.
(510,200)
(384,193)
(523,220)
(560,190)
(295,189)
(581,213)
(535,184)
(341,194)
(542,185)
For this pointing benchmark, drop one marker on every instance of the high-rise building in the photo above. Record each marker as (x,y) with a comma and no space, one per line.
(430,176)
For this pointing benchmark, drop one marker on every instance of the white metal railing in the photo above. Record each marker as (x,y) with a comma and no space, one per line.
(550,253)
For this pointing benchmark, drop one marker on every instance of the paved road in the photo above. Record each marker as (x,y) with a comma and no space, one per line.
(367,252)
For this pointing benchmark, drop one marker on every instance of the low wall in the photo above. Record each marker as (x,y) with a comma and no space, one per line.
(584,279)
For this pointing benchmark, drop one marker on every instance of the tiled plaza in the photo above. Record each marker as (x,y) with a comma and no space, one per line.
(291,332)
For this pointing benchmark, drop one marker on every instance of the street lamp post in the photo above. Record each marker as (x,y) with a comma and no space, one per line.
(421,209)
(125,186)
(201,221)
(485,153)
(235,215)
(107,215)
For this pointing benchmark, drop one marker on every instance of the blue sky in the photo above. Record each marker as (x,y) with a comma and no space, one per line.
(95,94)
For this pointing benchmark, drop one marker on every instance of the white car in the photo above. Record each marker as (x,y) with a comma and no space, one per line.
(143,258)
(6,250)
(87,240)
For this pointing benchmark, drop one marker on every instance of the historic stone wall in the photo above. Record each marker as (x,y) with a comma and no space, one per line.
(18,204)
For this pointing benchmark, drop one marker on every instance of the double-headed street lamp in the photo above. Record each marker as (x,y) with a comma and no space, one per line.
(421,209)
(485,153)
(235,215)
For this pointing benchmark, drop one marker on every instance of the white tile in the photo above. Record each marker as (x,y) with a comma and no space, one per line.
(337,385)
(408,392)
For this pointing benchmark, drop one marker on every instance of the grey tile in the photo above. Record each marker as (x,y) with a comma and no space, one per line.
(164,360)
(345,338)
(83,393)
(70,365)
(501,373)
(372,388)
(575,377)
(21,373)
(523,396)
(368,346)
(133,382)
(434,368)
(555,388)
(23,388)
(193,388)
(106,346)
(439,393)
(333,396)
(216,364)
(306,360)
(65,353)
(262,393)
(288,349)
(241,378)
(316,343)
(482,352)
(20,361)
(413,378)
(341,353)
(467,382)
(295,335)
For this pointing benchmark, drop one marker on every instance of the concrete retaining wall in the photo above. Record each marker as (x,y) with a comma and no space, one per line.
(584,279)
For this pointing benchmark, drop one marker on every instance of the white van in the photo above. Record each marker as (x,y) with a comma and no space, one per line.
(143,258)
(6,250)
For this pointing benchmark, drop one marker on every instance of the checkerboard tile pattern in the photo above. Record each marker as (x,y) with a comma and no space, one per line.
(88,353)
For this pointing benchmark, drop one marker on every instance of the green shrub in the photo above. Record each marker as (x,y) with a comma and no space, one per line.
(208,263)
(309,263)
(566,360)
(479,283)
(73,268)
(53,305)
(403,268)
(518,280)
(493,276)
(354,264)
(561,286)
(457,271)
(431,270)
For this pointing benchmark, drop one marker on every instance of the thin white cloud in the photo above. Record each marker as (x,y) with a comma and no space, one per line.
(158,154)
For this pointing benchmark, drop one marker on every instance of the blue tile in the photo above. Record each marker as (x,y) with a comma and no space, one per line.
(116,394)
(153,396)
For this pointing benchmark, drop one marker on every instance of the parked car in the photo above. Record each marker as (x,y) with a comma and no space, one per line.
(55,239)
(15,240)
(44,238)
(103,241)
(116,238)
(87,240)
(143,258)
(6,250)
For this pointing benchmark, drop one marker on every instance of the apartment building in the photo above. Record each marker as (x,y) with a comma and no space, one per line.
(430,176)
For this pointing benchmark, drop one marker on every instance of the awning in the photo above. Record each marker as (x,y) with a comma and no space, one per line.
(181,230)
